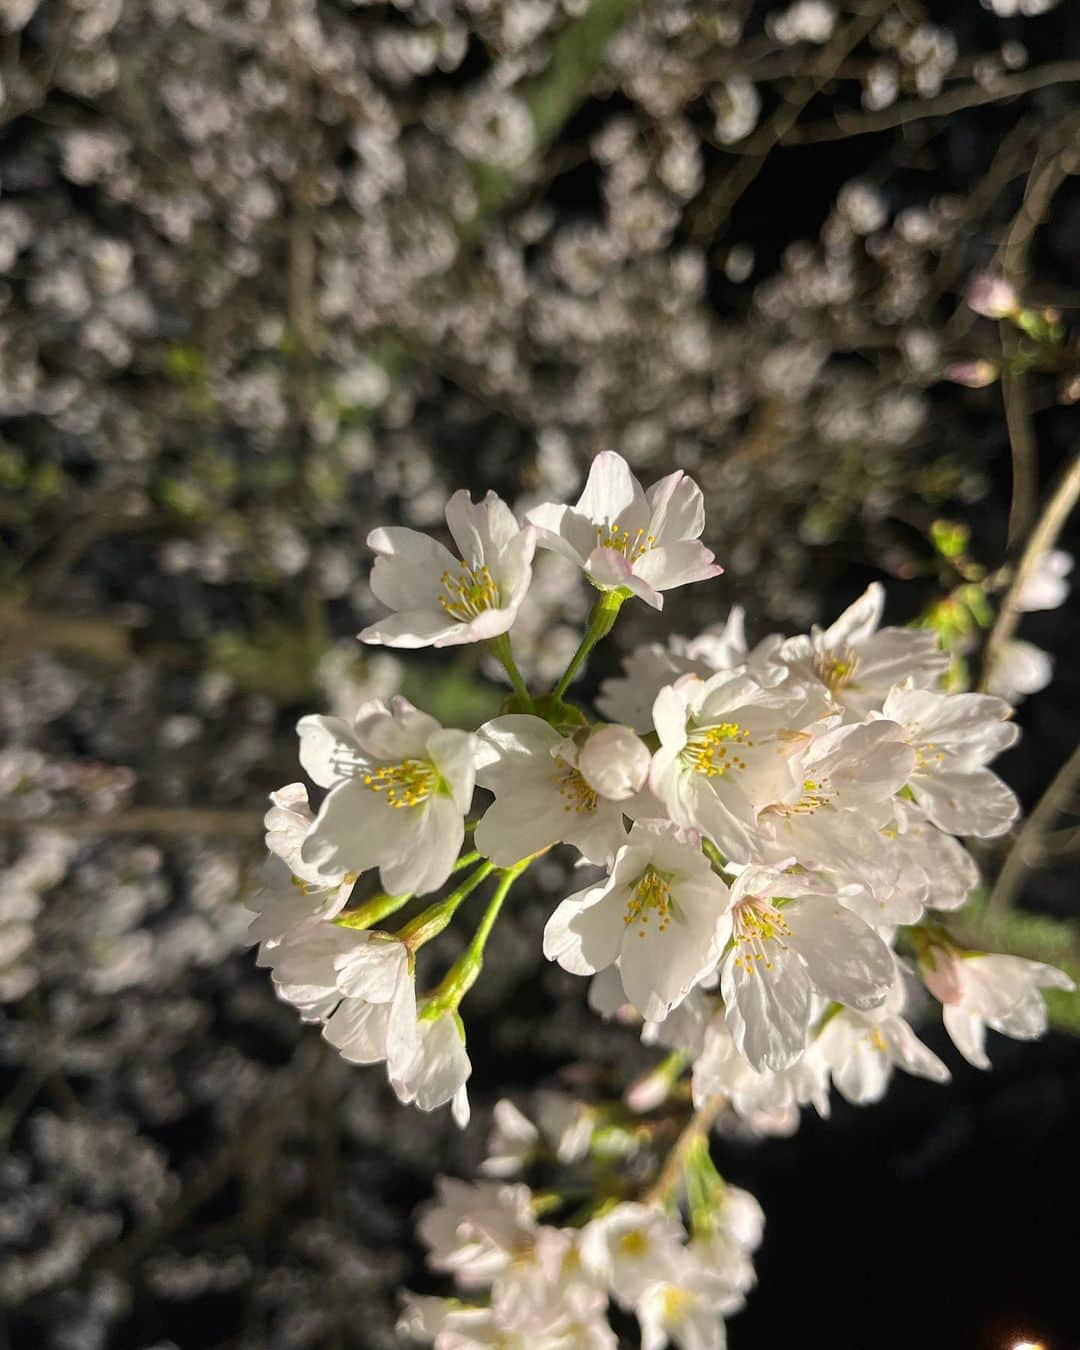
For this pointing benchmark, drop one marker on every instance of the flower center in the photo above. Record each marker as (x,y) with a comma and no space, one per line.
(406,784)
(714,751)
(756,924)
(631,546)
(577,795)
(469,593)
(928,757)
(652,893)
(836,669)
(633,1243)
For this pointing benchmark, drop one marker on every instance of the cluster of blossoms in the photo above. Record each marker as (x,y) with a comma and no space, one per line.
(553,1286)
(761,824)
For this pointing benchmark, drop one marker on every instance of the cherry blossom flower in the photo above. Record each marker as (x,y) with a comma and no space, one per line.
(1019,668)
(686,1310)
(541,795)
(626,539)
(660,915)
(724,746)
(630,697)
(789,943)
(858,662)
(860,1049)
(444,601)
(979,990)
(954,736)
(631,1248)
(399,786)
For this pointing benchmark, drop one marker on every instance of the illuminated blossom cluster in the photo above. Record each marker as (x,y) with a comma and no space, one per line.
(768,832)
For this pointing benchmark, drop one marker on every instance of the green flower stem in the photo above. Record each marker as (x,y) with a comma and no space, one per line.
(601,621)
(500,647)
(466,860)
(372,911)
(719,862)
(465,971)
(436,917)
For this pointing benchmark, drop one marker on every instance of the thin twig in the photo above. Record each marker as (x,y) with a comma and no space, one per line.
(717,205)
(919,109)
(1024,851)
(1042,538)
(697,1127)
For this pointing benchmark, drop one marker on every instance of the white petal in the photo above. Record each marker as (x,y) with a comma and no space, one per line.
(846,959)
(584,933)
(767,1010)
(860,619)
(329,751)
(611,490)
(976,803)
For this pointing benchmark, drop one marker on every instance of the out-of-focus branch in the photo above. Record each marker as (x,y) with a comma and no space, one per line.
(1051,168)
(1042,538)
(554,95)
(716,205)
(173,820)
(1025,849)
(920,109)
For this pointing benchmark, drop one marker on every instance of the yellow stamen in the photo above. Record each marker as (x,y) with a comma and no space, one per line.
(577,795)
(757,922)
(836,669)
(406,784)
(652,893)
(468,593)
(713,750)
(631,546)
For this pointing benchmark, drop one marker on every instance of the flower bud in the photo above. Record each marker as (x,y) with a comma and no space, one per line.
(615,762)
(941,975)
(973,374)
(992,297)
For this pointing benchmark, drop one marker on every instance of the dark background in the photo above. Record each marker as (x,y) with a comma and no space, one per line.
(244,318)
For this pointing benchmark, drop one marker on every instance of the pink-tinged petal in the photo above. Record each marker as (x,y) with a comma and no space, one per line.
(489,623)
(611,490)
(677,564)
(563,530)
(584,932)
(611,570)
(414,628)
(860,619)
(677,507)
